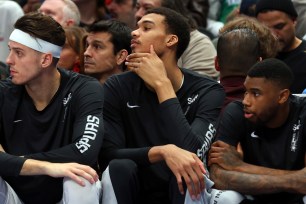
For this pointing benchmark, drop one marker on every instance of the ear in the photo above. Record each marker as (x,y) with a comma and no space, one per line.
(172,40)
(69,22)
(217,67)
(46,60)
(283,96)
(259,59)
(121,56)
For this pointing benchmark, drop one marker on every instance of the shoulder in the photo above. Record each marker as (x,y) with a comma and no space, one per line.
(124,80)
(75,82)
(198,38)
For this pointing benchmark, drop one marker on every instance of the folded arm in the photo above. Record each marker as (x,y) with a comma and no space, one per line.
(230,172)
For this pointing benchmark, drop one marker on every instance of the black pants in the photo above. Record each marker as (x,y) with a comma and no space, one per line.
(133,184)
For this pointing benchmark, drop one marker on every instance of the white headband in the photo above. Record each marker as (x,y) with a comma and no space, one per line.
(35,43)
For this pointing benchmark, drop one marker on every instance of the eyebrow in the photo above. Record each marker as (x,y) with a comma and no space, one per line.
(145,22)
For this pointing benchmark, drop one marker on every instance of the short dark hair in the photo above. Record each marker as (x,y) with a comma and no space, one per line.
(120,33)
(237,50)
(42,26)
(175,24)
(273,70)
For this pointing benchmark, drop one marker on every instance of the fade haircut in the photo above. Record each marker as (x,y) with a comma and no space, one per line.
(273,70)
(42,26)
(267,41)
(71,11)
(175,24)
(237,50)
(119,31)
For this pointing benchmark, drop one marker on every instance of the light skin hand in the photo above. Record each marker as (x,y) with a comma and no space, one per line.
(183,164)
(148,66)
(151,69)
(57,170)
(1,148)
(225,156)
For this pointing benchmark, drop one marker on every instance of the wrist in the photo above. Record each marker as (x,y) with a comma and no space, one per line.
(157,153)
(164,90)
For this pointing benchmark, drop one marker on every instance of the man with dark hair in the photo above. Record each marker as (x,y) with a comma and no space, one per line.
(280,16)
(200,54)
(107,46)
(268,128)
(159,119)
(51,123)
(237,51)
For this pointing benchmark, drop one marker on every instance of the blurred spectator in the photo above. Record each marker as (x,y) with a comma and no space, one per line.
(267,41)
(91,11)
(124,11)
(72,54)
(31,5)
(300,6)
(198,10)
(10,11)
(280,17)
(65,12)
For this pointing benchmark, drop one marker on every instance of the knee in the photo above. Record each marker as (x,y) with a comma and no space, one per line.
(124,168)
(75,193)
(225,197)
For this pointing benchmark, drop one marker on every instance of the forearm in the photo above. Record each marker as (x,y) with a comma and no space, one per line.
(253,184)
(33,167)
(253,169)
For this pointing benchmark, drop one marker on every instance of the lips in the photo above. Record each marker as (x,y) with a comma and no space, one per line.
(88,65)
(12,72)
(134,42)
(248,114)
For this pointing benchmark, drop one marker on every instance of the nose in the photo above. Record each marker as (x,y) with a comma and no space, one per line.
(246,100)
(87,52)
(134,33)
(9,59)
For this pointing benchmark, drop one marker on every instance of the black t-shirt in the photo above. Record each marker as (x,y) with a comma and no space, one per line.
(69,129)
(278,148)
(296,60)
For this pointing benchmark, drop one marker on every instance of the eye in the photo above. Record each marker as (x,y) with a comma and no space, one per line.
(256,94)
(97,47)
(279,26)
(19,53)
(146,28)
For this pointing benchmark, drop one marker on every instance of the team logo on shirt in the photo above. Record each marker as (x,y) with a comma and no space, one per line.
(190,100)
(207,141)
(295,136)
(67,99)
(90,133)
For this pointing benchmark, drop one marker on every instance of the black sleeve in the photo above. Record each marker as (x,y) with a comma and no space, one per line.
(232,124)
(10,165)
(88,128)
(197,135)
